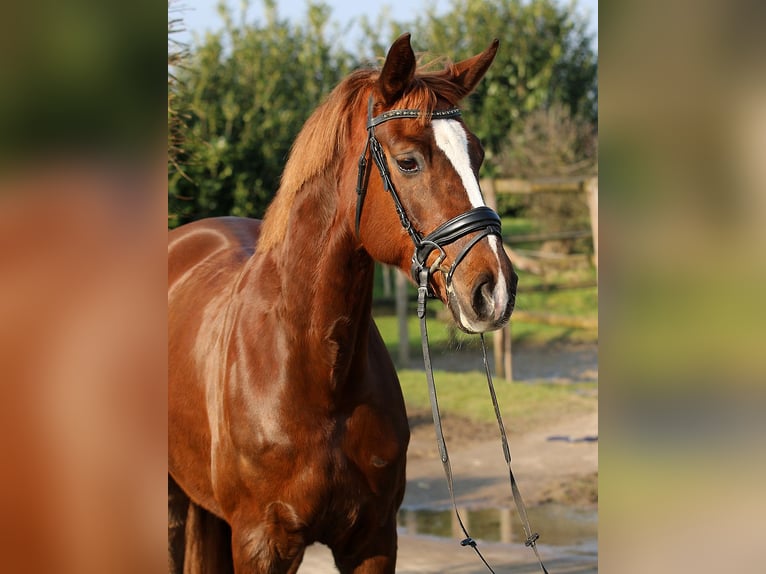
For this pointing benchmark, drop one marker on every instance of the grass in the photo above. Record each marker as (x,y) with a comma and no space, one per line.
(581,302)
(519,226)
(534,334)
(523,405)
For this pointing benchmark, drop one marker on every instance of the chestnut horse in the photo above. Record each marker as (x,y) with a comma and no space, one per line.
(287,424)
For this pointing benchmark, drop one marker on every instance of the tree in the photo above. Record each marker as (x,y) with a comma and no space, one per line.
(545,59)
(247,90)
(176,54)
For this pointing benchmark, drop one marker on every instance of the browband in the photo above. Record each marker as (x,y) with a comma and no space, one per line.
(409,114)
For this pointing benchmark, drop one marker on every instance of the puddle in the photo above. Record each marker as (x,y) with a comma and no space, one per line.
(558,525)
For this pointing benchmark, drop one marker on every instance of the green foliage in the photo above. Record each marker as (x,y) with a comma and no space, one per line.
(544,58)
(78,84)
(248,90)
(176,54)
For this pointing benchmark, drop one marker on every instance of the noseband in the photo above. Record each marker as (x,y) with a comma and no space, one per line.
(479,219)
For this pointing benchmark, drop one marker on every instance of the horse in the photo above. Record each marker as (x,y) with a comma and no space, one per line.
(286,423)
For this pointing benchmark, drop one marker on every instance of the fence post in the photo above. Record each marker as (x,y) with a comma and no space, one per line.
(490,196)
(506,526)
(386,276)
(591,189)
(457,531)
(401,315)
(497,351)
(501,347)
(501,337)
(507,360)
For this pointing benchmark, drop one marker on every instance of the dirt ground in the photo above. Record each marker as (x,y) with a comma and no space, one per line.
(563,470)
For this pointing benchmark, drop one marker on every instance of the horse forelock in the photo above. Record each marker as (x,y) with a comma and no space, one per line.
(427,88)
(321,141)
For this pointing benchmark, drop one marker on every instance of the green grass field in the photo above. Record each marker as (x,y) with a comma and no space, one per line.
(523,405)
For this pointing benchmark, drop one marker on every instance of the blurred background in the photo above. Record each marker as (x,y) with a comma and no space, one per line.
(83,220)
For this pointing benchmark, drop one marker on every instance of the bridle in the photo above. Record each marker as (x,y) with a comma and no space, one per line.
(480,220)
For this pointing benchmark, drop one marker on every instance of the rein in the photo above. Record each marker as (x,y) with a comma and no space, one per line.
(532,538)
(481,220)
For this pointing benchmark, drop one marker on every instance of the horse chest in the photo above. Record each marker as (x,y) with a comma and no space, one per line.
(361,480)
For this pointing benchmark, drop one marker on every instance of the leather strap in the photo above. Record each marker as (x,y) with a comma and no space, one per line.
(362,180)
(407,114)
(440,442)
(463,224)
(532,538)
(379,157)
(483,219)
(520,507)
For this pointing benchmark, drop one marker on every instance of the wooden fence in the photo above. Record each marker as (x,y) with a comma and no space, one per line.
(587,186)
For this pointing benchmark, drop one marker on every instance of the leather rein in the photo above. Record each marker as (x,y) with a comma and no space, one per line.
(480,220)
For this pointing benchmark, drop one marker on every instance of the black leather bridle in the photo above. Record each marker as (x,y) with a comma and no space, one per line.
(481,220)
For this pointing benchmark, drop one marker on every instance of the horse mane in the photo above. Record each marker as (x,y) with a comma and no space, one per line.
(312,153)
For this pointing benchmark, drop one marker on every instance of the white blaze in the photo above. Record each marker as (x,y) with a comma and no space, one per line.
(452,140)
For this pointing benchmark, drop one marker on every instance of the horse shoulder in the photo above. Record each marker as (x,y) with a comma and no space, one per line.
(204,260)
(377,431)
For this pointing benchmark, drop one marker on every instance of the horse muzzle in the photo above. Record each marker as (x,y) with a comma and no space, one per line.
(483,301)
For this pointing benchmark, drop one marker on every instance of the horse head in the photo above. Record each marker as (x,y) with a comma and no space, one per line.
(422,209)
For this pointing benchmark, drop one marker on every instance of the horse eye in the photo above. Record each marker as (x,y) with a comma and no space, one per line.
(407,165)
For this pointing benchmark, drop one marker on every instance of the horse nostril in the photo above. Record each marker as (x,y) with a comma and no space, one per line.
(482,299)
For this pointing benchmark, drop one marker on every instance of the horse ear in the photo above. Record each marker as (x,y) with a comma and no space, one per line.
(472,70)
(398,70)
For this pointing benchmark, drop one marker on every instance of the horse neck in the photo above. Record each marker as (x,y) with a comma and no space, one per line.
(325,286)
